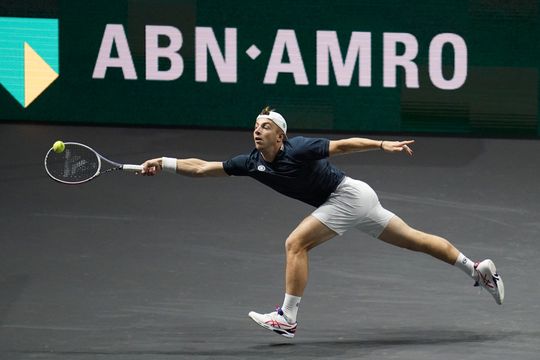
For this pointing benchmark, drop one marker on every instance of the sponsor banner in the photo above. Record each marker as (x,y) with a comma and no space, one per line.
(457,67)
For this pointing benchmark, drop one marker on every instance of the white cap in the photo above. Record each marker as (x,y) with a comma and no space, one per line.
(277,119)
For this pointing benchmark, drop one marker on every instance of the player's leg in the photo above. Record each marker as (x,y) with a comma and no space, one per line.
(398,233)
(307,235)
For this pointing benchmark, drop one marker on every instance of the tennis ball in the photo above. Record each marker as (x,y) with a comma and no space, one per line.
(59,147)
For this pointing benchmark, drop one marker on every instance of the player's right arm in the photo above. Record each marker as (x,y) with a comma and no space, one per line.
(186,167)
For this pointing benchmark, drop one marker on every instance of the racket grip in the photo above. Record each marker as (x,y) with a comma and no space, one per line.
(133,168)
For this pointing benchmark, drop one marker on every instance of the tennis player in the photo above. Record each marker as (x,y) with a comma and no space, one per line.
(298,168)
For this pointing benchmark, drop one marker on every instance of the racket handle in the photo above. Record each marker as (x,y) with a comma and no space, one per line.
(133,168)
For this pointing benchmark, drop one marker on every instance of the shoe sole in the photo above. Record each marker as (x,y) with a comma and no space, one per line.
(268,327)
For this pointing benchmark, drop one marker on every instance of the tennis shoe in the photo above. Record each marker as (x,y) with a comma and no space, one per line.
(488,278)
(275,321)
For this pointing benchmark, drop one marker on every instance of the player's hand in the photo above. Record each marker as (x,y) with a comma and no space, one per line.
(398,146)
(151,167)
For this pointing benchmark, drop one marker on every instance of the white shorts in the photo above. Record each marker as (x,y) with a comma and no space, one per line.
(353,204)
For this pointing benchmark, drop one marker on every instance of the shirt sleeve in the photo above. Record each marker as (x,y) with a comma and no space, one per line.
(310,148)
(236,166)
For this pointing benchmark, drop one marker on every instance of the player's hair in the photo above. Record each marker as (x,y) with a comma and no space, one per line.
(266,110)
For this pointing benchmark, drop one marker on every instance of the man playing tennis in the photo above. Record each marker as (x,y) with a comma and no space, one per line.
(298,168)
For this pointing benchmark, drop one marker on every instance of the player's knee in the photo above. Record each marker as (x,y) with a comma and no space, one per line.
(294,245)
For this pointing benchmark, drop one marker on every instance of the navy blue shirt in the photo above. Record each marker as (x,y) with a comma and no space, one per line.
(300,170)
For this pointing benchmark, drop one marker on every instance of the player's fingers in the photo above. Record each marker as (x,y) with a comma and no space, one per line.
(150,172)
(404,143)
(405,146)
(148,168)
(144,168)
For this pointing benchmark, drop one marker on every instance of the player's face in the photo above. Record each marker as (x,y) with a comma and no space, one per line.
(266,134)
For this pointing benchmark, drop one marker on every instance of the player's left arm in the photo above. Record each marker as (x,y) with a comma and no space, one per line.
(350,145)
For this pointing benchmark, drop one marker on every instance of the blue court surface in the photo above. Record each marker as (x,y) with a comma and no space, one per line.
(168,267)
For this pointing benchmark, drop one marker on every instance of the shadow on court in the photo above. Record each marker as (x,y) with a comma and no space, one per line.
(377,341)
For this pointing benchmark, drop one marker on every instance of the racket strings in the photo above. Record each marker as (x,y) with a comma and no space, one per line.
(75,164)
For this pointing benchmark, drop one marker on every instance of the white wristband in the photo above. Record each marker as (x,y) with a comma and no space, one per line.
(168,164)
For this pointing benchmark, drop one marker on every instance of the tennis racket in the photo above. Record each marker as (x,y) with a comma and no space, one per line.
(79,163)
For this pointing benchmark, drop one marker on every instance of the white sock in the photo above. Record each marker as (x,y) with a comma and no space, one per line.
(466,265)
(290,307)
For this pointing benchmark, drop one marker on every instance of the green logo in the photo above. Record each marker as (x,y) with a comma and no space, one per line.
(28,56)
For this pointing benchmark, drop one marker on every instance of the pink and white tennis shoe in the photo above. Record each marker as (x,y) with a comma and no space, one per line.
(275,321)
(487,277)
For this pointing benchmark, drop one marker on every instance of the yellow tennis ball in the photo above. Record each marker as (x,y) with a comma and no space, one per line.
(59,147)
